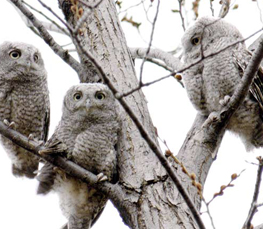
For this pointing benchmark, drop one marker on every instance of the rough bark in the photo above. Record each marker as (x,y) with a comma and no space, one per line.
(153,199)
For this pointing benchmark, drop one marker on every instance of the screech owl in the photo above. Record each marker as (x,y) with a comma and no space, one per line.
(215,77)
(24,101)
(87,134)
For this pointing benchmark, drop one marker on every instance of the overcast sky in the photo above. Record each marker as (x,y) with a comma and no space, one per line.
(170,109)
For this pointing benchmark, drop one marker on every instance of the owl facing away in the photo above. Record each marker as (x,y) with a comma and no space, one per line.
(87,134)
(213,43)
(24,101)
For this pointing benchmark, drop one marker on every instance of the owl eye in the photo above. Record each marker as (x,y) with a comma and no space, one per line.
(100,96)
(77,96)
(15,54)
(36,57)
(195,40)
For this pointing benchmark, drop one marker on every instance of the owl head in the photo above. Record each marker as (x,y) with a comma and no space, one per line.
(20,62)
(208,35)
(92,102)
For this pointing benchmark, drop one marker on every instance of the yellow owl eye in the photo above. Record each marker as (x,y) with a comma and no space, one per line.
(195,40)
(77,96)
(36,57)
(100,96)
(15,54)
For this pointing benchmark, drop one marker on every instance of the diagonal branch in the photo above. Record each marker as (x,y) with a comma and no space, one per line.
(254,205)
(52,26)
(154,147)
(63,54)
(113,191)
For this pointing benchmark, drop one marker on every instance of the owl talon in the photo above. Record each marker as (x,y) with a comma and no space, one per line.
(9,124)
(101,177)
(40,143)
(30,137)
(6,122)
(223,102)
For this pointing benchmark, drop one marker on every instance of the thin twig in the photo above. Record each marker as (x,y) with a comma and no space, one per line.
(220,193)
(212,8)
(63,54)
(62,30)
(130,7)
(209,213)
(154,147)
(225,8)
(158,63)
(254,205)
(140,86)
(125,94)
(219,51)
(151,39)
(59,18)
(223,187)
(260,13)
(181,13)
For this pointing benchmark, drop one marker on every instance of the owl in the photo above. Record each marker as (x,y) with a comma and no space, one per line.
(24,101)
(87,134)
(213,43)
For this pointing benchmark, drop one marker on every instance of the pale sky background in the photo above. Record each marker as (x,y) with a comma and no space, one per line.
(171,112)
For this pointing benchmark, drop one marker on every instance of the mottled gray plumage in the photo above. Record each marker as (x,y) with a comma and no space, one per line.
(209,82)
(88,133)
(24,100)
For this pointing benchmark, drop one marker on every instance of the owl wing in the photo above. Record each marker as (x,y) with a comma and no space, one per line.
(54,145)
(46,125)
(256,88)
(47,175)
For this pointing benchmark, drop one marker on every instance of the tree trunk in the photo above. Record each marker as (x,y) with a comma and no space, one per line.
(151,199)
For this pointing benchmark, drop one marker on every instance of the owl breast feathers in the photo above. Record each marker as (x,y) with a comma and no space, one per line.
(221,58)
(87,134)
(24,101)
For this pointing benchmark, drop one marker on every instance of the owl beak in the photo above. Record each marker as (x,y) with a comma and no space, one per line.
(28,66)
(88,104)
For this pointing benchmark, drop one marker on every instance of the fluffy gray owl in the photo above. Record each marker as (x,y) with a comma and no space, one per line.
(24,101)
(88,133)
(210,82)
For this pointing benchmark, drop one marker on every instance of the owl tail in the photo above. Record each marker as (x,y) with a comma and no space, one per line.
(46,179)
(28,172)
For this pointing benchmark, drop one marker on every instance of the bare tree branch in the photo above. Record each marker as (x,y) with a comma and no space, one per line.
(114,192)
(125,94)
(63,54)
(254,205)
(154,147)
(225,8)
(150,42)
(167,58)
(212,8)
(124,11)
(205,137)
(53,26)
(181,13)
(209,213)
(59,18)
(158,63)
